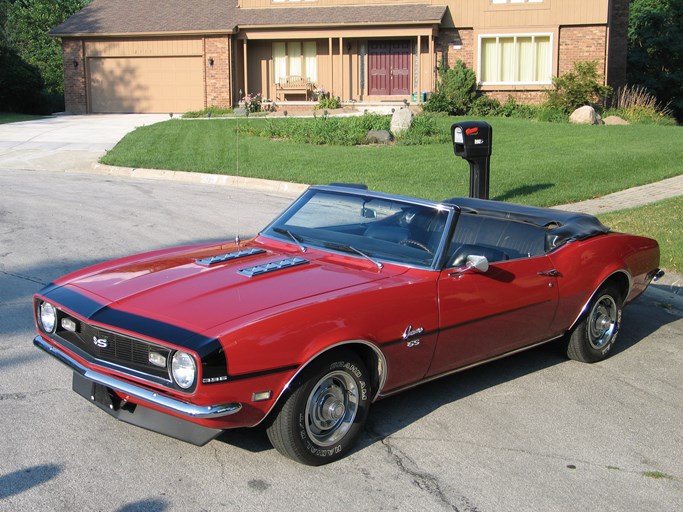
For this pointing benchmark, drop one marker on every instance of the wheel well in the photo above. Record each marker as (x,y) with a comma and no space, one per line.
(621,282)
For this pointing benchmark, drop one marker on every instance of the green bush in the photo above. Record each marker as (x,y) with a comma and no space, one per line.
(21,85)
(486,106)
(424,130)
(579,87)
(327,103)
(455,91)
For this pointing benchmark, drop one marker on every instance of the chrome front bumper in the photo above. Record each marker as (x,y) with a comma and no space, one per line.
(137,392)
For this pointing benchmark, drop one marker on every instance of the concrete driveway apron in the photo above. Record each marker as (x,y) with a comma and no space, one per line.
(66,142)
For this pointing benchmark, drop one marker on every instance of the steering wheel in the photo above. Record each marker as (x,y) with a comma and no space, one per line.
(417,244)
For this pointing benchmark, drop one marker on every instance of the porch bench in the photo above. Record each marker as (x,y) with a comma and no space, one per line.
(293,85)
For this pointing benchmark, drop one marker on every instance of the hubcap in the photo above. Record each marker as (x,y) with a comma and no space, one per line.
(331,408)
(603,322)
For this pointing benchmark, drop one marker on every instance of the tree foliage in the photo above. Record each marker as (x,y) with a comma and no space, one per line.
(24,34)
(655,53)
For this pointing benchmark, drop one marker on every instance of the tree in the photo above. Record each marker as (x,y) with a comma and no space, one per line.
(27,31)
(655,50)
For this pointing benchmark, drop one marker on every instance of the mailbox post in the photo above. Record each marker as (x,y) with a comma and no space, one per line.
(472,141)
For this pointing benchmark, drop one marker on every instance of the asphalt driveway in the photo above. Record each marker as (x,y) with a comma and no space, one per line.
(65,142)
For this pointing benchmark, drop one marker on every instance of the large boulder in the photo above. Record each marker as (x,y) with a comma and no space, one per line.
(401,121)
(615,120)
(585,115)
(378,137)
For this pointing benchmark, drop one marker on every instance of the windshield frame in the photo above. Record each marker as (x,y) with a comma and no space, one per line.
(436,262)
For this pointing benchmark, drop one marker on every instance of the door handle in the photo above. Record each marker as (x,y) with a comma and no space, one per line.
(550,273)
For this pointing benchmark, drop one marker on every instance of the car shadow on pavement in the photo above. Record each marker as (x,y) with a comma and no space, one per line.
(388,416)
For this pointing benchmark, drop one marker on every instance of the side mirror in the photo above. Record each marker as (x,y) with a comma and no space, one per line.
(474,261)
(481,263)
(368,213)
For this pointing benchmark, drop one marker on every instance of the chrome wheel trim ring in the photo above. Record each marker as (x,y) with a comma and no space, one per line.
(602,322)
(331,408)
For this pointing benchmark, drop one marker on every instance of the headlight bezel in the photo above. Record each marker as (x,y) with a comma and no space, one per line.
(182,361)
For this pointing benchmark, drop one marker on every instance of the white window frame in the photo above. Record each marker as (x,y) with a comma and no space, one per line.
(533,35)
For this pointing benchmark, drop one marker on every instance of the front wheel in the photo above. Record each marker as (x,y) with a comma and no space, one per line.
(594,336)
(322,419)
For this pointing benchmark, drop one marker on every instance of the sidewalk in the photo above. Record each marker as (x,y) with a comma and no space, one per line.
(629,198)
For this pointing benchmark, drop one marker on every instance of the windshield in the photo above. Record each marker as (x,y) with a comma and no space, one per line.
(363,224)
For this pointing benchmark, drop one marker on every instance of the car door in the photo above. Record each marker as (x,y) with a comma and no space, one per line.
(486,314)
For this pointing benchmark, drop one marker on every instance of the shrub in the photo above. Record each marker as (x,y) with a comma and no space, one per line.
(252,102)
(637,105)
(21,86)
(424,130)
(486,106)
(327,103)
(576,88)
(455,92)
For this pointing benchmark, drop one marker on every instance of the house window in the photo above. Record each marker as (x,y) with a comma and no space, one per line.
(295,58)
(515,59)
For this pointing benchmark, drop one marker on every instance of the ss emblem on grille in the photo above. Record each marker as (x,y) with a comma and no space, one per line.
(100,342)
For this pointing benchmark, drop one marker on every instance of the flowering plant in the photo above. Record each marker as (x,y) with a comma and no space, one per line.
(252,102)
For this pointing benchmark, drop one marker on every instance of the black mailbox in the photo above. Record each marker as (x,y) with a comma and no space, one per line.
(472,141)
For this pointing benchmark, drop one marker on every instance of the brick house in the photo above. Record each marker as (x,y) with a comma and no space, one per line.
(175,55)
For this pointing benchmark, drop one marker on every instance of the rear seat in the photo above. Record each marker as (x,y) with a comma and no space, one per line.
(513,239)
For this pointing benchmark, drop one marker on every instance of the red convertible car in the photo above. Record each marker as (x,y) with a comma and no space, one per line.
(347,297)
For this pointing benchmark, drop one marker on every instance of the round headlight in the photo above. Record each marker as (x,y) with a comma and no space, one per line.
(184,369)
(48,316)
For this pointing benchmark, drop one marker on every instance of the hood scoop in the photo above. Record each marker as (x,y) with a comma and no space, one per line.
(272,266)
(220,258)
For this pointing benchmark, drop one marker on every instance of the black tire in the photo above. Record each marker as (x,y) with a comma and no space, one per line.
(320,421)
(593,337)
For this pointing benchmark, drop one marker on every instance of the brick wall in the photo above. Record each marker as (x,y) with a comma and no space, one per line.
(446,51)
(218,89)
(75,97)
(582,44)
(618,43)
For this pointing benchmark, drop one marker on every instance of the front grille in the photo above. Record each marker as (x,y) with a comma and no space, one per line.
(117,348)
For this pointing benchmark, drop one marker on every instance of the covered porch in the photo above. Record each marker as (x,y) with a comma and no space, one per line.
(355,64)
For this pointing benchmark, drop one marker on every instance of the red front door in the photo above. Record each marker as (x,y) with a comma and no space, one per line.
(389,68)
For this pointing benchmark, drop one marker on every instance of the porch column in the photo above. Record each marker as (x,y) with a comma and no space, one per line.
(329,51)
(246,75)
(432,62)
(419,69)
(341,67)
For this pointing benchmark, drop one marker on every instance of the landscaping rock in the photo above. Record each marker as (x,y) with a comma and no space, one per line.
(378,137)
(615,120)
(401,121)
(240,111)
(585,115)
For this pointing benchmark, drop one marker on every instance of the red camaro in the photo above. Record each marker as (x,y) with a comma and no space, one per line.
(347,297)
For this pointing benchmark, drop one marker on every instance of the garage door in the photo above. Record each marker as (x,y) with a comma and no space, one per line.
(146,84)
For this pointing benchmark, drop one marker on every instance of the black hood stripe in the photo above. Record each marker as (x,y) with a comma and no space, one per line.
(209,349)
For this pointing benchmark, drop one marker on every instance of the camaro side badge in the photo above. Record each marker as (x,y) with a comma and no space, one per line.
(100,342)
(409,333)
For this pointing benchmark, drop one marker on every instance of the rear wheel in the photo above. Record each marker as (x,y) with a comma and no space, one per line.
(322,419)
(594,336)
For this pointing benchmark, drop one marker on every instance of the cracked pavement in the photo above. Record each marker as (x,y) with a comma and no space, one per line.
(531,432)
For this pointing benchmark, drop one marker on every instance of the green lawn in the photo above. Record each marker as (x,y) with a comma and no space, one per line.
(662,221)
(6,117)
(534,163)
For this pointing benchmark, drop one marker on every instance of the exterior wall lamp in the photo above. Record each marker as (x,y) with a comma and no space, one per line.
(210,62)
(75,63)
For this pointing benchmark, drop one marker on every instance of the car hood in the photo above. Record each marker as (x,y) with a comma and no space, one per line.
(189,290)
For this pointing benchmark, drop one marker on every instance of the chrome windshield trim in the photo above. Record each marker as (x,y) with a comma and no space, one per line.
(439,254)
(170,404)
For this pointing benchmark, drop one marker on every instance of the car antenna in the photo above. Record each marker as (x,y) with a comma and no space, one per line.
(237,171)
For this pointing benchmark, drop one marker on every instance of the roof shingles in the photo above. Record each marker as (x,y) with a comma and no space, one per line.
(116,17)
